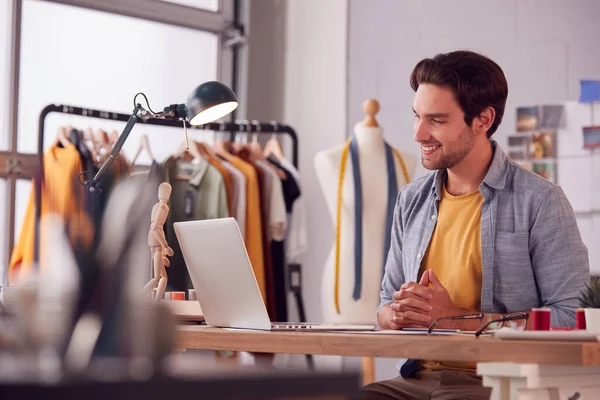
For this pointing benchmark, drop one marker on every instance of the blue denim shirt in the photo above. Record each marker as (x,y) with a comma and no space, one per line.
(531,248)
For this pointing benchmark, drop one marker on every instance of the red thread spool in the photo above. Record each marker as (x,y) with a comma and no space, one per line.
(177,295)
(580,319)
(541,319)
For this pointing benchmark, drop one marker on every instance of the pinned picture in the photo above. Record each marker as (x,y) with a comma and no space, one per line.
(591,137)
(552,116)
(527,118)
(518,147)
(542,145)
(546,170)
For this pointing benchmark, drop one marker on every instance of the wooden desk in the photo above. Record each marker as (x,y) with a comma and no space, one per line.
(512,368)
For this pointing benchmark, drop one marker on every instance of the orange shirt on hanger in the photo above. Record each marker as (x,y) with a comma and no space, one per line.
(253,237)
(62,194)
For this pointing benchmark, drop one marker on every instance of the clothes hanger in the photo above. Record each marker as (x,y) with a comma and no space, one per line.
(114,136)
(88,140)
(273,147)
(61,137)
(203,148)
(241,139)
(256,151)
(144,145)
(222,148)
(102,143)
(191,150)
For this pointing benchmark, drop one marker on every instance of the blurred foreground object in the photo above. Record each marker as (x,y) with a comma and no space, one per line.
(85,307)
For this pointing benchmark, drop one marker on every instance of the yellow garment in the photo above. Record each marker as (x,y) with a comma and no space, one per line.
(454,254)
(61,194)
(253,237)
(338,226)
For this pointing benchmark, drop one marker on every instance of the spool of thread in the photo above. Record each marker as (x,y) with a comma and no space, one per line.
(580,319)
(541,319)
(192,294)
(177,295)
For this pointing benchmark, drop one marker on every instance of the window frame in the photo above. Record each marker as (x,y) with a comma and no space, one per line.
(227,23)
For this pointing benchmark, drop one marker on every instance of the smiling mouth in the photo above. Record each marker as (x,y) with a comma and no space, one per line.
(430,149)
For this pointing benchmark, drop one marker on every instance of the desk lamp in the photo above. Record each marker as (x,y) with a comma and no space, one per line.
(207,103)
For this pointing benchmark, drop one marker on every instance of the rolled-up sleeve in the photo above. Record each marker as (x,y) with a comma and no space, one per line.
(393,276)
(559,257)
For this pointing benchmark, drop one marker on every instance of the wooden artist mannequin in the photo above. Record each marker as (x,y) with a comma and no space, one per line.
(374,182)
(158,243)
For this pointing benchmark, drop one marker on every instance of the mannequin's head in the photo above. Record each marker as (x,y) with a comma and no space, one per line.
(164,191)
(459,104)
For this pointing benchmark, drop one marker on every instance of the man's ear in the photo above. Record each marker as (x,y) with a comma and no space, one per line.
(483,122)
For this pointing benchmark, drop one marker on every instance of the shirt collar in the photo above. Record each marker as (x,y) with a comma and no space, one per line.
(495,177)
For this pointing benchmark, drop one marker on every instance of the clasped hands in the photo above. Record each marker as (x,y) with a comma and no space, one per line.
(417,305)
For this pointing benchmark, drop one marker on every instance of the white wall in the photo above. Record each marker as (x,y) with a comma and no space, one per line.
(5,33)
(314,104)
(545,47)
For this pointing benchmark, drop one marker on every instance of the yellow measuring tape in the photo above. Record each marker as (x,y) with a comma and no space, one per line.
(338,227)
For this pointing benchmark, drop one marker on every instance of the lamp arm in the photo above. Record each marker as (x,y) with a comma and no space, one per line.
(138,113)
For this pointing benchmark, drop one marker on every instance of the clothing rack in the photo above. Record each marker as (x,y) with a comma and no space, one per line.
(231,128)
(272,128)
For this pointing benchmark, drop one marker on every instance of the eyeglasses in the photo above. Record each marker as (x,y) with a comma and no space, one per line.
(516,321)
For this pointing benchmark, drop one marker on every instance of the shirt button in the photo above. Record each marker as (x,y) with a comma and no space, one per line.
(433,216)
(419,256)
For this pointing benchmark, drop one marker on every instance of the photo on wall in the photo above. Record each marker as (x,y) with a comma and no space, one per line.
(546,170)
(591,137)
(552,116)
(518,147)
(543,145)
(527,118)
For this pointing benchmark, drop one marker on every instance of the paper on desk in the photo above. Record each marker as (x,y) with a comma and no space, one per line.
(419,331)
(575,335)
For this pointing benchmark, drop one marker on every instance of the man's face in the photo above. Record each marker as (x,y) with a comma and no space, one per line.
(440,128)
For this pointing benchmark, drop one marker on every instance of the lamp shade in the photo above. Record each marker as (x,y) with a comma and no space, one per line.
(209,102)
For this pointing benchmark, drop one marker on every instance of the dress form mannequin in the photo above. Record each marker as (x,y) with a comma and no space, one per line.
(374,181)
(158,243)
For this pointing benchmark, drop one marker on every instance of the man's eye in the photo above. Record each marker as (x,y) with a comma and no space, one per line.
(437,121)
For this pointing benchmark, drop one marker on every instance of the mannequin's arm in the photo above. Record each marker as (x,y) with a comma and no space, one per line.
(157,228)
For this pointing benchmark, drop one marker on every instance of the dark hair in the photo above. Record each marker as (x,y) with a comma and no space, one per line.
(477,82)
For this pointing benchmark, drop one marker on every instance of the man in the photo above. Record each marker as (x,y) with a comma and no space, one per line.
(480,234)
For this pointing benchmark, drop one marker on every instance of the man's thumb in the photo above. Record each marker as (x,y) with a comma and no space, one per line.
(434,279)
(425,279)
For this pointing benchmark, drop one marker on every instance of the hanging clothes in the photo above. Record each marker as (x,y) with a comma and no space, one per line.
(296,236)
(62,195)
(244,154)
(275,220)
(281,260)
(202,196)
(227,179)
(253,237)
(238,196)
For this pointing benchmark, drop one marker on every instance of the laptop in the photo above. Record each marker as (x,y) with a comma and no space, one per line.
(225,284)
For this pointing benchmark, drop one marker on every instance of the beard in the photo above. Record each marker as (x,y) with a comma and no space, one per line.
(450,154)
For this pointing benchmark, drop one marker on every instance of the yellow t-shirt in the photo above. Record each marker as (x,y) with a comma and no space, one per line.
(454,254)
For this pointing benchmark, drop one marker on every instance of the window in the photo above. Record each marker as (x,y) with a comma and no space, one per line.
(210,5)
(97,54)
